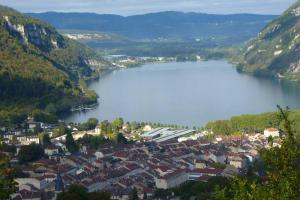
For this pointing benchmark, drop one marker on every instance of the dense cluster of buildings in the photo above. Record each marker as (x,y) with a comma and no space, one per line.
(162,162)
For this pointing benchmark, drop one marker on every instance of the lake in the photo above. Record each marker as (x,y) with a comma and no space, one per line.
(190,93)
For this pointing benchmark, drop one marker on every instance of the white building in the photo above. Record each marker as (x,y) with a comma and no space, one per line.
(98,130)
(164,134)
(171,180)
(38,183)
(51,150)
(273,132)
(27,140)
(147,128)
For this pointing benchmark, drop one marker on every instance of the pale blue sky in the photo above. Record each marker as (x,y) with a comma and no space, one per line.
(131,7)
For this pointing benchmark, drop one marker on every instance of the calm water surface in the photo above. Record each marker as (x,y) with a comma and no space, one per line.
(186,94)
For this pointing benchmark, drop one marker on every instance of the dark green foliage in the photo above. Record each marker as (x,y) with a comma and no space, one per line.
(121,139)
(220,127)
(46,140)
(134,194)
(117,125)
(62,130)
(106,128)
(99,196)
(7,175)
(276,48)
(76,192)
(93,142)
(45,117)
(8,148)
(201,190)
(89,125)
(11,117)
(281,166)
(145,197)
(70,143)
(30,153)
(41,71)
(254,123)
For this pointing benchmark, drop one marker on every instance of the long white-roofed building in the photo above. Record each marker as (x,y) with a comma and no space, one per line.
(164,134)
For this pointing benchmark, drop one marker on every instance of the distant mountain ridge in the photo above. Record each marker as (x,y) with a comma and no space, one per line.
(161,25)
(276,50)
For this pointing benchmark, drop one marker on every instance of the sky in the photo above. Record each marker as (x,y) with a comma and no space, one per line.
(133,7)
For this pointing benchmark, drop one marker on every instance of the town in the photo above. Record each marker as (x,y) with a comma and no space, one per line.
(145,158)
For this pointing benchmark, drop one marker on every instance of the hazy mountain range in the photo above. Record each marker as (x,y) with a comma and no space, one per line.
(171,25)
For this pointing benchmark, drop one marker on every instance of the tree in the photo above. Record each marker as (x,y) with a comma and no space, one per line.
(134,194)
(117,124)
(30,153)
(7,174)
(45,138)
(121,139)
(62,130)
(270,140)
(99,196)
(8,148)
(92,123)
(70,144)
(106,128)
(89,125)
(220,127)
(75,192)
(96,141)
(37,129)
(281,166)
(145,196)
(134,126)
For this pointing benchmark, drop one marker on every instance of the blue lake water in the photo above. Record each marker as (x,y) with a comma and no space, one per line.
(190,93)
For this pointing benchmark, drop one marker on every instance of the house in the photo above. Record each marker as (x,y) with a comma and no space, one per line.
(200,164)
(197,173)
(238,161)
(98,130)
(273,132)
(27,140)
(35,182)
(218,157)
(32,124)
(51,150)
(171,180)
(230,171)
(94,183)
(27,192)
(147,128)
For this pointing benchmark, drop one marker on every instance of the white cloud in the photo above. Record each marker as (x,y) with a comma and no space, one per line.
(130,7)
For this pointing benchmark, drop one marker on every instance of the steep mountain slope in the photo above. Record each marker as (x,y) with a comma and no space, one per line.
(276,50)
(170,25)
(41,68)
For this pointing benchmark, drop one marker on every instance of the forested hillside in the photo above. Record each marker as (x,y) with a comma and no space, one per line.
(39,68)
(276,52)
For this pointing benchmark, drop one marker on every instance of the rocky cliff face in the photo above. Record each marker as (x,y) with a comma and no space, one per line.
(44,41)
(276,50)
(40,36)
(41,68)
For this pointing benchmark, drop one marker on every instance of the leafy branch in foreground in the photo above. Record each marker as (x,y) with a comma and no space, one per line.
(281,166)
(7,184)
